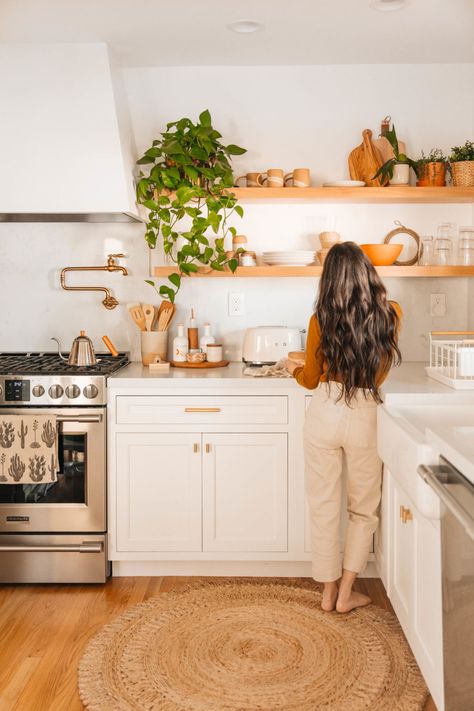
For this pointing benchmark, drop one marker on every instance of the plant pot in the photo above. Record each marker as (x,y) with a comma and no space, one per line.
(432,174)
(401,174)
(463,173)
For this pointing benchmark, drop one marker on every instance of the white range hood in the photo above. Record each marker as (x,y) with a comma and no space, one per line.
(66,148)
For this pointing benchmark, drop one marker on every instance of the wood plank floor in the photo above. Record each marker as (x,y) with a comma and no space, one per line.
(45,628)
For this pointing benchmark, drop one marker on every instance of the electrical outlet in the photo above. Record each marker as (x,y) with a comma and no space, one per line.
(236,304)
(438,304)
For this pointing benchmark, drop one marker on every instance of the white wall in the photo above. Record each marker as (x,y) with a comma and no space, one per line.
(287,117)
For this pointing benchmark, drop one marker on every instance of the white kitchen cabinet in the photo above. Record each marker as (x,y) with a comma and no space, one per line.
(158,500)
(412,552)
(245,481)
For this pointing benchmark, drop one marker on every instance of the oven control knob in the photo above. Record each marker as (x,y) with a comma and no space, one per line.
(73,391)
(91,391)
(55,391)
(38,391)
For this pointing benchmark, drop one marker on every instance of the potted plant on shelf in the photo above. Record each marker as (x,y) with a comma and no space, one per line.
(462,164)
(431,169)
(186,191)
(395,170)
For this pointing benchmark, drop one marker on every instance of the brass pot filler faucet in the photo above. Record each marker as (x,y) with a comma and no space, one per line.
(109,301)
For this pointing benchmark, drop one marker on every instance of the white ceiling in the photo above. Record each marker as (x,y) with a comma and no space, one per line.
(193,32)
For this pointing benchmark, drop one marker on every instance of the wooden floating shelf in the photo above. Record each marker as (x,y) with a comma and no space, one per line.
(315,271)
(390,194)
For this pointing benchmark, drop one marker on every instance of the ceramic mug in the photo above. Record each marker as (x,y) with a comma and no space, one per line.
(299,177)
(272,178)
(214,352)
(153,344)
(251,180)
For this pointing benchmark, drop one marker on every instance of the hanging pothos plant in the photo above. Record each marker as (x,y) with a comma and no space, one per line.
(187,194)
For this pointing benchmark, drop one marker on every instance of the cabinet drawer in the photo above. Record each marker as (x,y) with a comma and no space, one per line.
(202,409)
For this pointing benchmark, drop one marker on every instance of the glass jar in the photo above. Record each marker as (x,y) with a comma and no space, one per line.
(466,246)
(426,258)
(443,250)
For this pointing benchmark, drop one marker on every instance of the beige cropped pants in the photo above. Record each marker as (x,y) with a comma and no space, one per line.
(335,433)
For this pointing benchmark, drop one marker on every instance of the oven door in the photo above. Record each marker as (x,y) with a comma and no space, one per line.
(76,501)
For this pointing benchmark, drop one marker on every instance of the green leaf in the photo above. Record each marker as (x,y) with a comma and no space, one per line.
(202,240)
(205,118)
(191,172)
(199,153)
(214,220)
(175,279)
(232,264)
(234,150)
(151,204)
(172,147)
(165,214)
(165,230)
(145,161)
(150,282)
(168,292)
(233,231)
(239,210)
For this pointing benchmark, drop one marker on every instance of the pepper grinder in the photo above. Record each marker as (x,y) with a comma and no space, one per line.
(193,334)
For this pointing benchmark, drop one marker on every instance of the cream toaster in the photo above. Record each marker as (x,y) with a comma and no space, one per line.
(264,345)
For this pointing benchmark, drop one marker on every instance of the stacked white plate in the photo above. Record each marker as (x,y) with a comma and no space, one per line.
(294,258)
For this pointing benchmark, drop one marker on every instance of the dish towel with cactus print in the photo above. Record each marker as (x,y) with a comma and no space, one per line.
(28,449)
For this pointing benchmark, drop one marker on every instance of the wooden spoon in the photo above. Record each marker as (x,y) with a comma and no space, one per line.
(150,314)
(165,315)
(136,312)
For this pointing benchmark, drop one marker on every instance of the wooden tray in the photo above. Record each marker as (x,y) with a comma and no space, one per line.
(206,364)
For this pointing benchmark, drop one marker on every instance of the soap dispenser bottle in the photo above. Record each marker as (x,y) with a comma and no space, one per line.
(180,345)
(206,338)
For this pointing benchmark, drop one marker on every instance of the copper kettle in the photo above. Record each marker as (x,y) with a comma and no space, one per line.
(82,351)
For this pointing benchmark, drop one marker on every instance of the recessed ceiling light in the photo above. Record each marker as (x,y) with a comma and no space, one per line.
(387,5)
(244,27)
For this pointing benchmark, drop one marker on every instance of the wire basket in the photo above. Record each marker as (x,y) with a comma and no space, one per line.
(452,358)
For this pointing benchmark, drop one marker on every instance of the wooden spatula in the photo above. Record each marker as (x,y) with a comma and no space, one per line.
(136,312)
(165,315)
(150,314)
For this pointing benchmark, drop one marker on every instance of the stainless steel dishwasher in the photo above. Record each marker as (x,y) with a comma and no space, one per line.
(457,542)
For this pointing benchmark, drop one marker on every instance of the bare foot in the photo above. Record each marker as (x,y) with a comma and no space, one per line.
(346,603)
(328,602)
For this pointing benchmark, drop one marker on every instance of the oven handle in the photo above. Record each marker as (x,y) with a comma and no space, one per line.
(78,548)
(79,418)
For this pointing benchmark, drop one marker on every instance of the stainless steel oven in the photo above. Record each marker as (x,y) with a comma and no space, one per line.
(55,532)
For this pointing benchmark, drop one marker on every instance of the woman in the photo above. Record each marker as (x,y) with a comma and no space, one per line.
(351,346)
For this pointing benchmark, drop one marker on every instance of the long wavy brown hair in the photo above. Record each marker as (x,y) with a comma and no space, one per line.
(359,327)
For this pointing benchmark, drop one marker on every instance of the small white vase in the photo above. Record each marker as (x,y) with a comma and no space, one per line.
(401,174)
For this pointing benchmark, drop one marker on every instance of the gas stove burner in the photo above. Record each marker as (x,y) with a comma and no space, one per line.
(51,364)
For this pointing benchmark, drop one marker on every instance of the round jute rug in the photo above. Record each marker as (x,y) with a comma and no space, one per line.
(249,647)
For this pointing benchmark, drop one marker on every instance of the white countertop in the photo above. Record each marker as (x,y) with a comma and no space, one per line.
(408,379)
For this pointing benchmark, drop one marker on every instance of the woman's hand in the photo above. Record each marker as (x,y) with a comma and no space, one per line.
(291,365)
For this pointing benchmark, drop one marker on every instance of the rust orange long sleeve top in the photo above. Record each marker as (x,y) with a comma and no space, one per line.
(315,367)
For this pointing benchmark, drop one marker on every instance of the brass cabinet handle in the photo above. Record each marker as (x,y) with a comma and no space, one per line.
(208,448)
(196,448)
(202,409)
(405,514)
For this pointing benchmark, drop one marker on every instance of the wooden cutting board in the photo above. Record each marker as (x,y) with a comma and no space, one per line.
(365,160)
(385,149)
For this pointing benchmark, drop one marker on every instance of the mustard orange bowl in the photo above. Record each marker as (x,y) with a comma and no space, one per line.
(382,255)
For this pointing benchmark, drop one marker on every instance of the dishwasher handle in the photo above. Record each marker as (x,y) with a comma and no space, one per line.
(429,474)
